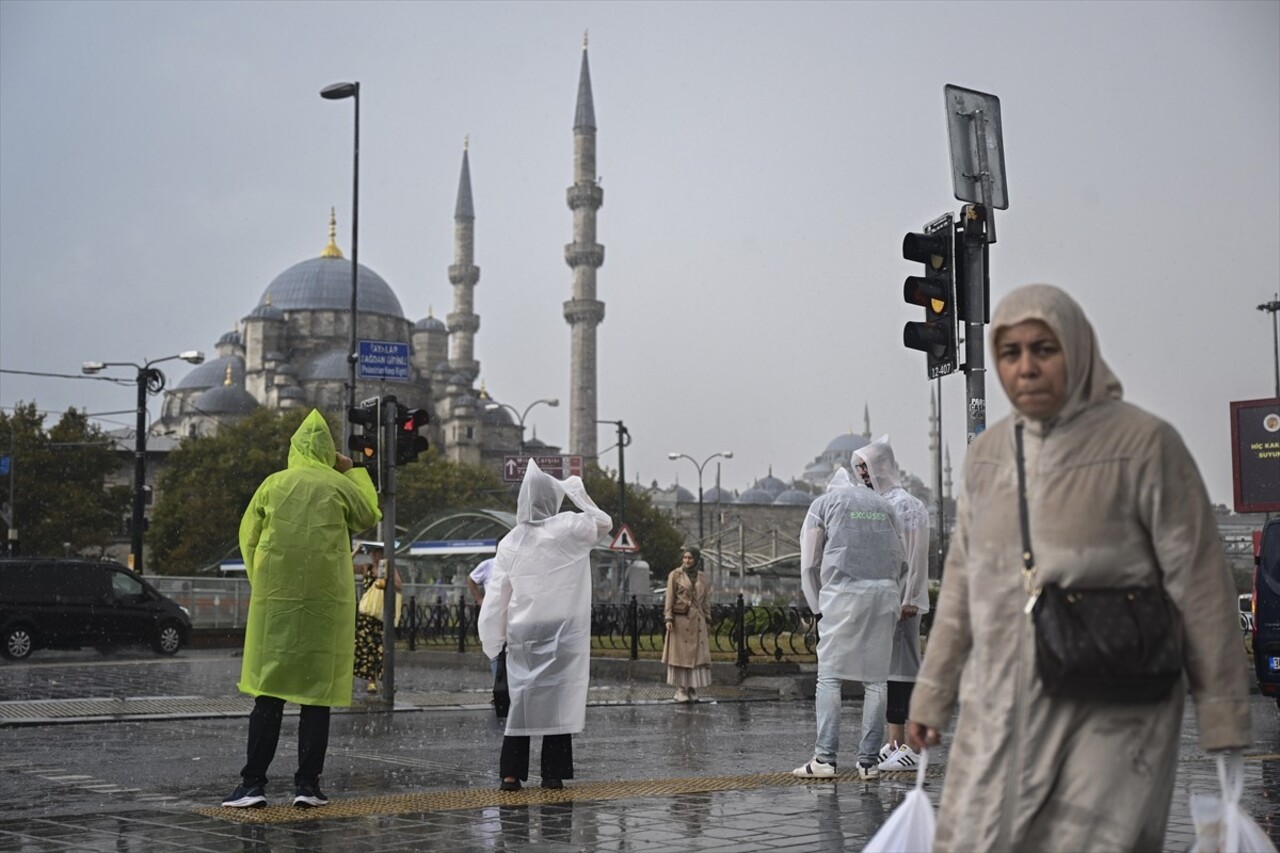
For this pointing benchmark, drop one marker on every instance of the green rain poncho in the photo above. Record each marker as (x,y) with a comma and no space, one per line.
(296,541)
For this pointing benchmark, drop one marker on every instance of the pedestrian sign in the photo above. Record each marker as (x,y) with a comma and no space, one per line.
(624,541)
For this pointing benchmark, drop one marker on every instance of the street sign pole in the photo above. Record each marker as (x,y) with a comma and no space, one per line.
(387,413)
(976,138)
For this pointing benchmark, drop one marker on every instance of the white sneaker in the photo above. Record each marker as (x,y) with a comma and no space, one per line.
(815,769)
(905,758)
(887,751)
(867,771)
(681,695)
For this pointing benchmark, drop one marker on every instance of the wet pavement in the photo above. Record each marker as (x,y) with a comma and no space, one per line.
(651,775)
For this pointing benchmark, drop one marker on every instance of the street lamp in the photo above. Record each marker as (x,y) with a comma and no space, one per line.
(150,380)
(493,406)
(338,92)
(727,454)
(1273,306)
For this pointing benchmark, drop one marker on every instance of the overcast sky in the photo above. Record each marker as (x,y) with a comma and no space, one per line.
(161,163)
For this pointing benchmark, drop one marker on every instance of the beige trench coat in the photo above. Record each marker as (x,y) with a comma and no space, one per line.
(687,643)
(1114,499)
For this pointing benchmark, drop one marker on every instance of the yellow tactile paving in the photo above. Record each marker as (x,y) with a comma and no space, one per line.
(476,798)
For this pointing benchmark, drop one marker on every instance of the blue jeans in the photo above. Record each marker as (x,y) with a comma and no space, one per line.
(827,702)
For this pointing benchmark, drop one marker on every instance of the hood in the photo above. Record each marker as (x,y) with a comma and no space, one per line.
(881,466)
(312,445)
(841,480)
(540,495)
(1089,379)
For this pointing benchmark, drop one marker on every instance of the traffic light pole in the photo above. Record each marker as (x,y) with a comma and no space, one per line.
(973,271)
(388,414)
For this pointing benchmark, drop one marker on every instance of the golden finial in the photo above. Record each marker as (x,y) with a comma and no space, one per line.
(466,142)
(484,394)
(332,250)
(266,300)
(227,380)
(584,39)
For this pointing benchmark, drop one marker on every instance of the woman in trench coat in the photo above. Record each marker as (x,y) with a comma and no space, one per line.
(687,611)
(1114,499)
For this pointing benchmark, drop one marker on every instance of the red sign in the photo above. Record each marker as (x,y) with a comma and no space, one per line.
(560,467)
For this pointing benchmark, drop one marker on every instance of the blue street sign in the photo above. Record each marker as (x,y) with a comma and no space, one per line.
(5,465)
(383,360)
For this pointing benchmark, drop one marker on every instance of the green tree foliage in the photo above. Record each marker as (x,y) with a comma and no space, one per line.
(434,484)
(61,492)
(206,485)
(660,541)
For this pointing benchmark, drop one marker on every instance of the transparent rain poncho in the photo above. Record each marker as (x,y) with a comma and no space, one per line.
(538,603)
(852,570)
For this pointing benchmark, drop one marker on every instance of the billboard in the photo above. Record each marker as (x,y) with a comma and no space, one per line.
(1255,454)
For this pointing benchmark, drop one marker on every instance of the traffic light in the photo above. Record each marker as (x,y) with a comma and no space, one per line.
(935,291)
(366,443)
(408,443)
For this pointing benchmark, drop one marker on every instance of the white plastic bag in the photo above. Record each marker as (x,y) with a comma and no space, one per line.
(910,828)
(1221,825)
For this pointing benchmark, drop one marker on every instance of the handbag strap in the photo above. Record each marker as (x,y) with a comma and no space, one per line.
(1028,558)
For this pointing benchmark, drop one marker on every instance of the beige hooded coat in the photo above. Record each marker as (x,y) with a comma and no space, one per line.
(1114,499)
(687,643)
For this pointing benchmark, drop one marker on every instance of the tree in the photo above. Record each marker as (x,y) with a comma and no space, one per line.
(206,485)
(660,541)
(61,497)
(434,484)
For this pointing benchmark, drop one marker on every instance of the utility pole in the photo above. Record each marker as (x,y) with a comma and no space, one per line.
(1273,306)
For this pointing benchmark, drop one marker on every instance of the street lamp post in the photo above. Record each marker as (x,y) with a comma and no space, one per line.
(338,92)
(1273,306)
(727,454)
(150,381)
(494,406)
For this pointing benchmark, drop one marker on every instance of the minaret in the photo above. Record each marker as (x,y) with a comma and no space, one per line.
(947,481)
(463,273)
(866,421)
(935,448)
(584,256)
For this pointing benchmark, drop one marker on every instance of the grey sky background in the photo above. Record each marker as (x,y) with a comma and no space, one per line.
(161,163)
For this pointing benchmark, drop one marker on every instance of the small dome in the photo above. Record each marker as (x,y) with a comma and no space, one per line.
(226,400)
(327,365)
(535,443)
(324,284)
(755,496)
(430,324)
(292,392)
(460,378)
(724,496)
(793,497)
(287,369)
(266,311)
(683,495)
(771,484)
(231,338)
(847,443)
(821,468)
(214,372)
(496,417)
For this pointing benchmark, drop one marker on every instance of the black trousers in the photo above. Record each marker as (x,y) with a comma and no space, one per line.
(264,736)
(557,757)
(899,700)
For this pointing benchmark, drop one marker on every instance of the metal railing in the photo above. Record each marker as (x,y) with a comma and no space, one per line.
(443,616)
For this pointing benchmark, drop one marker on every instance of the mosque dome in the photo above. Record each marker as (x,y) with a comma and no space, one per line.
(214,372)
(331,364)
(498,416)
(292,392)
(324,284)
(683,495)
(714,494)
(771,484)
(755,496)
(266,311)
(847,443)
(430,323)
(231,338)
(227,398)
(793,497)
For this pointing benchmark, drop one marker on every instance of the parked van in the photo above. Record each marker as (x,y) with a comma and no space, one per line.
(54,603)
(1266,611)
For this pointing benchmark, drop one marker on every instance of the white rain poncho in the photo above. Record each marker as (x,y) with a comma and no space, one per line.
(852,571)
(913,520)
(538,603)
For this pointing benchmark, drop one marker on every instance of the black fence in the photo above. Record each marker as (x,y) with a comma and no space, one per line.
(636,629)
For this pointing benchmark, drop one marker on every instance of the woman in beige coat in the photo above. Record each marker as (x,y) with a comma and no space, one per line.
(687,610)
(1114,499)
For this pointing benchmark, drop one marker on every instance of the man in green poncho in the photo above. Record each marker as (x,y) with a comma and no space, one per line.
(296,541)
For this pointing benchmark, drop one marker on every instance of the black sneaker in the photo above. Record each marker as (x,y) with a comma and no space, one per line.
(306,796)
(244,797)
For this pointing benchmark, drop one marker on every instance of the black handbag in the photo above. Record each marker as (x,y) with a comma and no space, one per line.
(1111,644)
(501,693)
